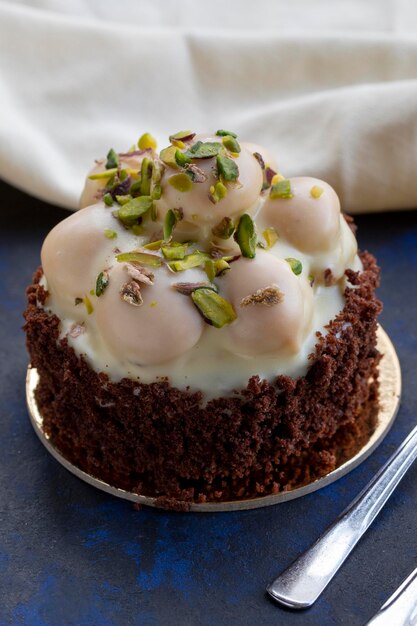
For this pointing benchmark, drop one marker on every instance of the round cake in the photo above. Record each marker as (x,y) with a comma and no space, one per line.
(204,329)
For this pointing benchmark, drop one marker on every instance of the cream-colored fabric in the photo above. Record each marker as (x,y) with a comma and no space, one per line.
(329,86)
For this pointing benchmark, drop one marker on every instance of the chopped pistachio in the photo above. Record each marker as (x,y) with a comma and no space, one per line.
(227,168)
(167,156)
(131,293)
(260,160)
(195,173)
(109,233)
(156,192)
(112,159)
(104,174)
(101,283)
(201,150)
(137,229)
(108,200)
(281,189)
(270,236)
(157,171)
(225,133)
(182,135)
(190,260)
(245,236)
(130,212)
(174,252)
(231,143)
(187,288)
(215,310)
(316,191)
(277,178)
(139,273)
(216,267)
(181,159)
(217,192)
(144,258)
(295,265)
(123,199)
(171,218)
(224,229)
(135,187)
(270,175)
(88,305)
(181,182)
(153,245)
(147,141)
(269,296)
(146,176)
(153,304)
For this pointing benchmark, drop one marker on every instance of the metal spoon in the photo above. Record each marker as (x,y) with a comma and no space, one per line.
(299,586)
(401,608)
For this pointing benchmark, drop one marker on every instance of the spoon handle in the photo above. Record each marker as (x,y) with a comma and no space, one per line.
(299,586)
(401,607)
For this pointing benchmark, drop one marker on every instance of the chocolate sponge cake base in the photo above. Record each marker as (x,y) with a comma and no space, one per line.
(157,440)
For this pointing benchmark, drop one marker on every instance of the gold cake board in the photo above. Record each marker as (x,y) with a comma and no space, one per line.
(390,392)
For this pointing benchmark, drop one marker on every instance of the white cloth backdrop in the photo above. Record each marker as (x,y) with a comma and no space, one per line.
(330,86)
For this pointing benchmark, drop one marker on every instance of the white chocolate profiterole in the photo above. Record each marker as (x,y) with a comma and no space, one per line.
(198,209)
(261,329)
(214,288)
(162,328)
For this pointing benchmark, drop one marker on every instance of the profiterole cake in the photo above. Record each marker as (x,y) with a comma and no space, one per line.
(203,328)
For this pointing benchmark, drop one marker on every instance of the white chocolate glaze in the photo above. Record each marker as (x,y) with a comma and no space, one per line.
(166,336)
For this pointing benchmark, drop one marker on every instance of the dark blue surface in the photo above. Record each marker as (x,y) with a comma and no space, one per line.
(70,554)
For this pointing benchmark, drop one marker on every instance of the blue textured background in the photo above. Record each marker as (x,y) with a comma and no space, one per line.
(70,554)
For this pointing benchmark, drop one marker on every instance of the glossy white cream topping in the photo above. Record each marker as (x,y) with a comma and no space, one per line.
(166,336)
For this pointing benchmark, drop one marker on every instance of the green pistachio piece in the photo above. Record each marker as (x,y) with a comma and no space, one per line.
(124,199)
(217,192)
(181,182)
(146,176)
(105,174)
(110,234)
(174,252)
(190,260)
(101,283)
(316,191)
(187,288)
(227,168)
(281,189)
(201,150)
(88,305)
(130,212)
(296,265)
(171,218)
(156,192)
(144,258)
(216,267)
(224,229)
(182,135)
(215,310)
(231,144)
(225,133)
(107,199)
(136,187)
(153,245)
(167,156)
(112,159)
(158,170)
(270,236)
(245,236)
(137,229)
(146,141)
(181,159)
